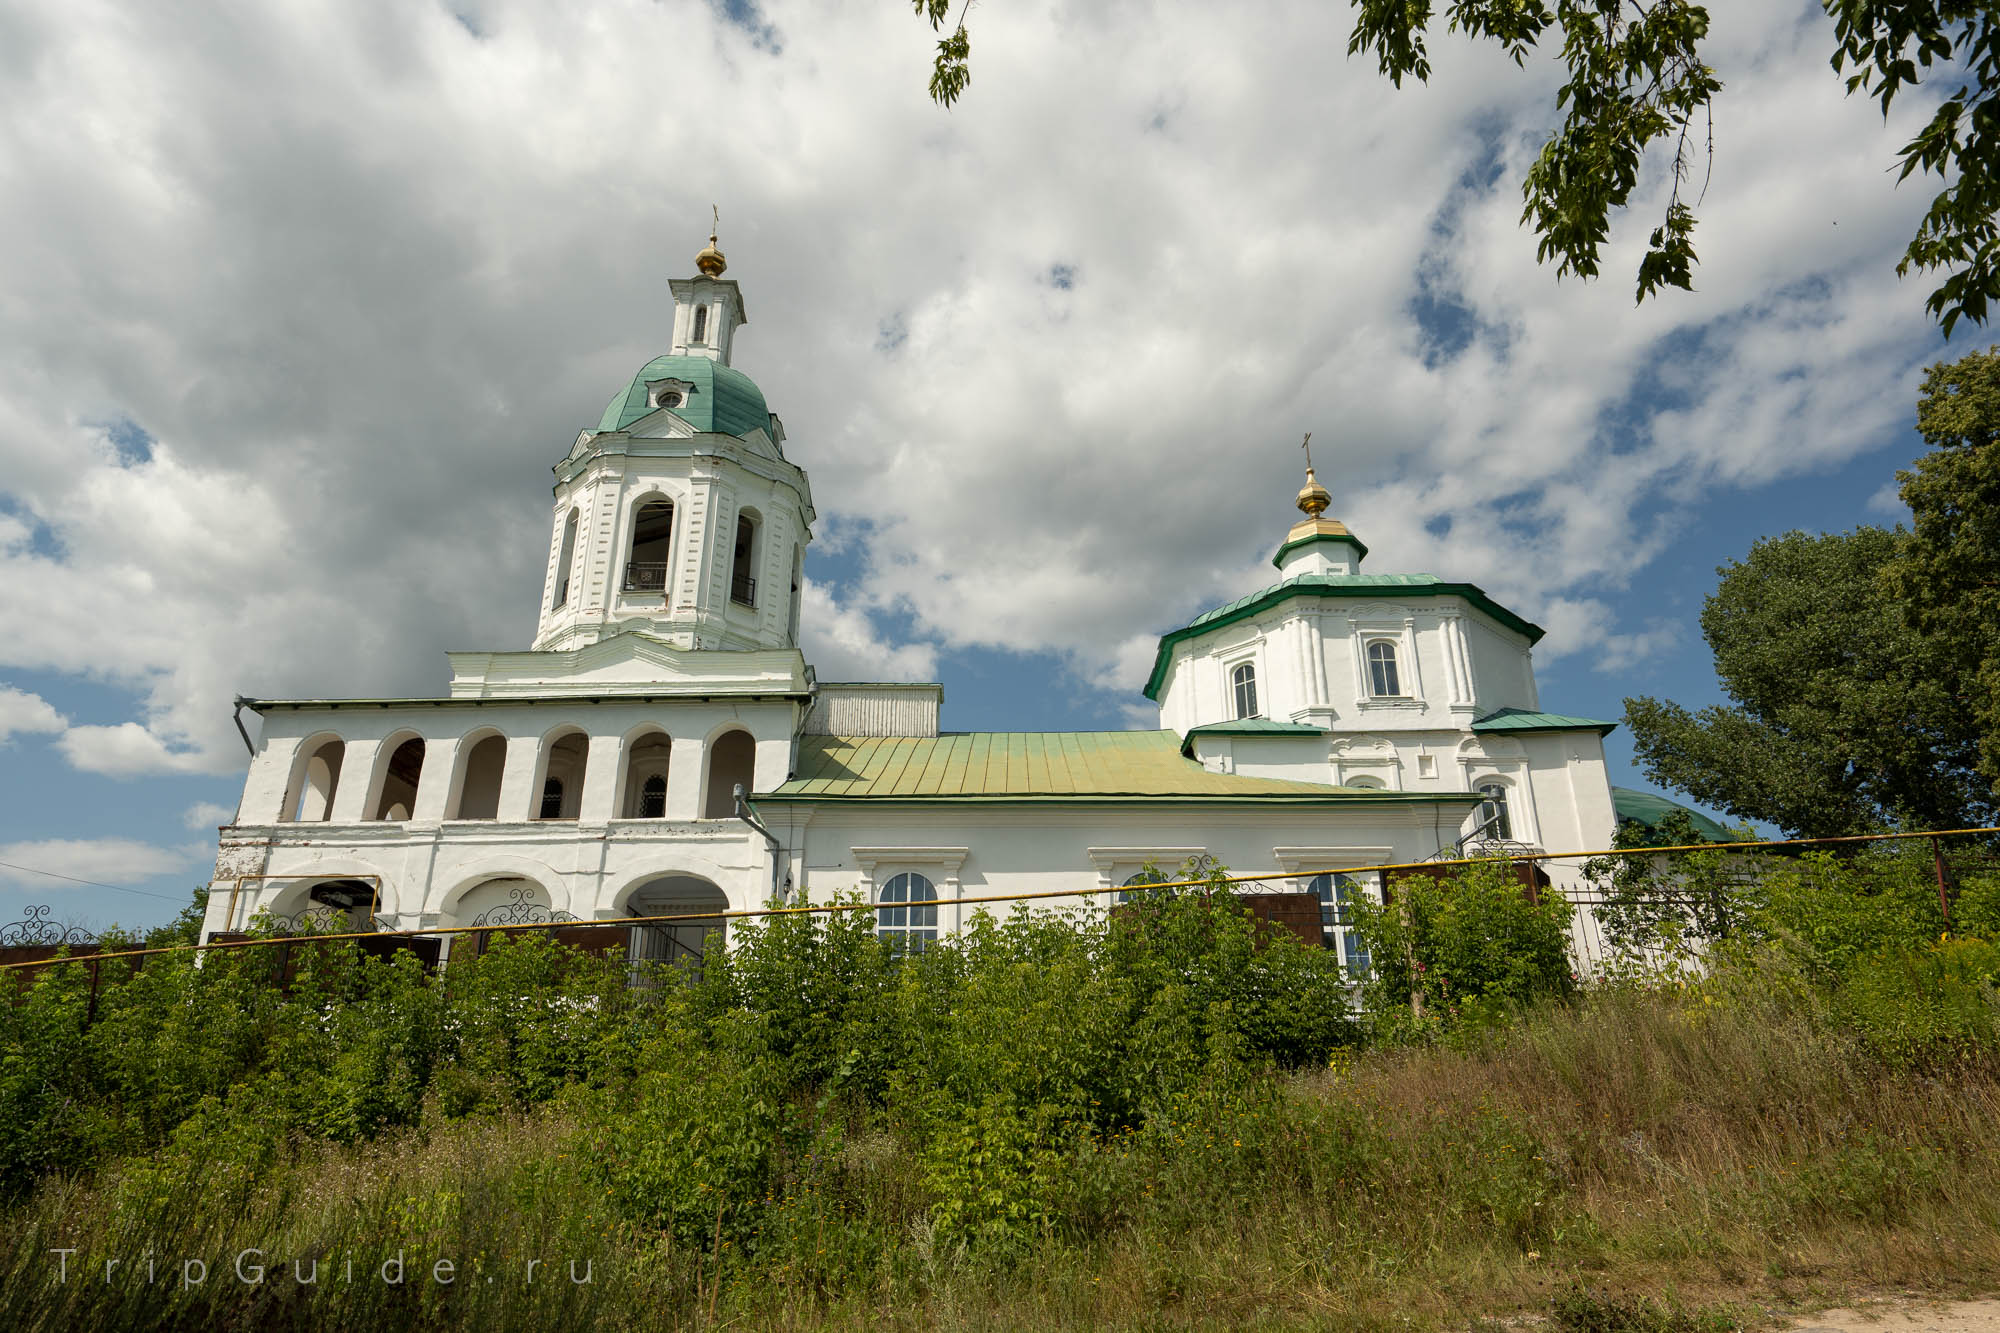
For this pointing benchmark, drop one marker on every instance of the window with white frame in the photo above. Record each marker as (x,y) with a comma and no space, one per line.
(1384,682)
(1494,821)
(1337,896)
(1243,681)
(908,929)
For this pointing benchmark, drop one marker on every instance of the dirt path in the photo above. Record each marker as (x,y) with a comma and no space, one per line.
(1906,1317)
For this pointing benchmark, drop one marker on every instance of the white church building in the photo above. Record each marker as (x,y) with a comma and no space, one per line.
(663,746)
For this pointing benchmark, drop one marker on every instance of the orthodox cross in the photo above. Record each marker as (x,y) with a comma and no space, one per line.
(1307,445)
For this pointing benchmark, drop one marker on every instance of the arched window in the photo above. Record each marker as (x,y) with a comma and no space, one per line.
(1337,896)
(1494,821)
(1383,682)
(652,547)
(1244,681)
(700,324)
(1139,881)
(562,776)
(565,557)
(479,779)
(908,929)
(311,799)
(647,767)
(742,567)
(399,781)
(732,759)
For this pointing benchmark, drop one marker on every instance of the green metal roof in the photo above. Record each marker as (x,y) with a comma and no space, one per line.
(1649,808)
(1523,719)
(724,400)
(1348,539)
(1402,586)
(1051,767)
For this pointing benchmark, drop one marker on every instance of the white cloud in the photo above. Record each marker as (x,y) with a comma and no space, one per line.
(361,338)
(206,816)
(24,713)
(1888,502)
(126,750)
(105,860)
(843,643)
(1621,652)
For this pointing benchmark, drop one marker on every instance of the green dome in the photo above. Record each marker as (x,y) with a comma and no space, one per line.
(724,400)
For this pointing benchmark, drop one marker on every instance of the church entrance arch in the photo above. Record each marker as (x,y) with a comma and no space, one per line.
(676,941)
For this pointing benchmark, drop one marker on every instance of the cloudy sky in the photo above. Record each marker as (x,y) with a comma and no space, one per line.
(303,297)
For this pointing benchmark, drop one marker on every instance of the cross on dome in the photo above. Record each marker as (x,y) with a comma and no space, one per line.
(710,260)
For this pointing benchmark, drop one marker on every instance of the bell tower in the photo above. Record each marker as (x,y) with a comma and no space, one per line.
(680,516)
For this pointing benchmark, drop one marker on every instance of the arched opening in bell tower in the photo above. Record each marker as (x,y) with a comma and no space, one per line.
(798,579)
(565,557)
(743,564)
(652,546)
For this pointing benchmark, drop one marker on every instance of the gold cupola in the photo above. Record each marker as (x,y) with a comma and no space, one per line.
(710,260)
(1318,544)
(1313,497)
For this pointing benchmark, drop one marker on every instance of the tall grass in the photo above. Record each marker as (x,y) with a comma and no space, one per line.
(1144,1124)
(1629,1141)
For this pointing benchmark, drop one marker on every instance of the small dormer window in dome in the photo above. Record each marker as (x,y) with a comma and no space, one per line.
(669,398)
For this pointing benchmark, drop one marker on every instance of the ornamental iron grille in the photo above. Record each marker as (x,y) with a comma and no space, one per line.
(522,908)
(37,930)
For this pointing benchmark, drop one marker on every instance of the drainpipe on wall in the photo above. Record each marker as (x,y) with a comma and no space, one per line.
(748,816)
(248,744)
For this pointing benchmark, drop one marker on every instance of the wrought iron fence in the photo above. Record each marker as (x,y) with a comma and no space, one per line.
(646,576)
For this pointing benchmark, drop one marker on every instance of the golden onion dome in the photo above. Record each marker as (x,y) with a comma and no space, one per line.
(1313,497)
(710,261)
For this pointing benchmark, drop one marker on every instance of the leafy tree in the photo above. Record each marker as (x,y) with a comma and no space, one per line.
(1947,574)
(1466,945)
(1637,78)
(1844,720)
(1664,905)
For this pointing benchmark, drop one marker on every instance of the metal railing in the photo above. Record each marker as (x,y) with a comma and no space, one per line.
(646,576)
(743,590)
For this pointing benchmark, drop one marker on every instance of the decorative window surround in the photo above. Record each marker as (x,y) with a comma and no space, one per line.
(1248,654)
(1306,862)
(1115,865)
(940,865)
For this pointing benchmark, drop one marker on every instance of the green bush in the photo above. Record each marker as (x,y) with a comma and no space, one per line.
(1463,948)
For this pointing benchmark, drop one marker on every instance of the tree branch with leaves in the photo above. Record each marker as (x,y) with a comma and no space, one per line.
(1637,79)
